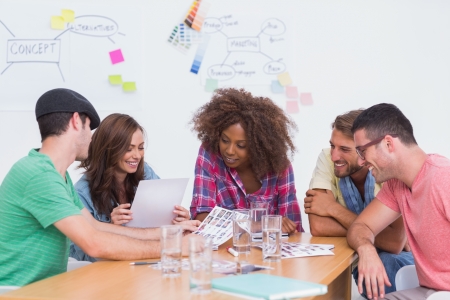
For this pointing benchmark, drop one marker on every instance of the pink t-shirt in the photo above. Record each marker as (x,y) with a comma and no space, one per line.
(426,215)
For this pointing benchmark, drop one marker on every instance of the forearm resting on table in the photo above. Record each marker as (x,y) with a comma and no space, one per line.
(325,226)
(201,216)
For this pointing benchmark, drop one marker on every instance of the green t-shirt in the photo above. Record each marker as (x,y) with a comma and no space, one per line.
(33,196)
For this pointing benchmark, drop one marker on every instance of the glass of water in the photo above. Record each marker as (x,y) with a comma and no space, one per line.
(200,264)
(241,230)
(257,210)
(271,230)
(171,237)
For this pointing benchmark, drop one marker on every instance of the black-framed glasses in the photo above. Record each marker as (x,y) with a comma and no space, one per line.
(361,149)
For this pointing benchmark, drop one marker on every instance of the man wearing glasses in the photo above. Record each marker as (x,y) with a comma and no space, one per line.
(416,187)
(341,188)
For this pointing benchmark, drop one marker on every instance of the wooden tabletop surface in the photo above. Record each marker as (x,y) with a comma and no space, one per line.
(120,280)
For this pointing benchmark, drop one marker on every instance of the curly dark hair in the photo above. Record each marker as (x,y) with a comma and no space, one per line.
(267,128)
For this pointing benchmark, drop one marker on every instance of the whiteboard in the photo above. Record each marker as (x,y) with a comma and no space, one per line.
(36,56)
(347,54)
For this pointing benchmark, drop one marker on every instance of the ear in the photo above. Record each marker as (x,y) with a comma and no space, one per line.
(76,121)
(390,143)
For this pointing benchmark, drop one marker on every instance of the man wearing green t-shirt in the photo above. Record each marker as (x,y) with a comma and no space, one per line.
(41,211)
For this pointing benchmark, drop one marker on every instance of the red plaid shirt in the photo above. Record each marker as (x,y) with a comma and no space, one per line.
(217,184)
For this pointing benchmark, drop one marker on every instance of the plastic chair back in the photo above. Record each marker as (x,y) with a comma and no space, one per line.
(7,288)
(406,278)
(439,296)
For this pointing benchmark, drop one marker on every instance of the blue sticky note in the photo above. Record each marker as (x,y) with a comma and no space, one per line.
(277,88)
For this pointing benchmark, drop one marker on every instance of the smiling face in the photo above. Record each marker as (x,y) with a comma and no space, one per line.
(376,160)
(130,160)
(343,154)
(233,147)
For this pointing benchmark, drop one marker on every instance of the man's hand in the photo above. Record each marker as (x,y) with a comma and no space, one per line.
(288,226)
(121,214)
(189,226)
(319,202)
(182,214)
(372,272)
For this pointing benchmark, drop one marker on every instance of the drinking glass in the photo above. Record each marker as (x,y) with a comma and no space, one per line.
(171,237)
(257,210)
(271,230)
(200,263)
(241,230)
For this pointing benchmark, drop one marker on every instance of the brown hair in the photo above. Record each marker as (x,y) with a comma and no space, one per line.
(268,129)
(109,143)
(344,122)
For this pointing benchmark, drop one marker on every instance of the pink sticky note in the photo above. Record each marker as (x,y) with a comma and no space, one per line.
(116,56)
(291,92)
(292,107)
(306,98)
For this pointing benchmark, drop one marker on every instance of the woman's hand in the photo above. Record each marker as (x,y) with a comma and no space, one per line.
(288,225)
(121,214)
(183,214)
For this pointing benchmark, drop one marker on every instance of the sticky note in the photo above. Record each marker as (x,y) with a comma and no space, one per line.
(115,79)
(57,22)
(292,107)
(292,92)
(276,87)
(211,85)
(68,15)
(129,86)
(284,79)
(116,56)
(306,99)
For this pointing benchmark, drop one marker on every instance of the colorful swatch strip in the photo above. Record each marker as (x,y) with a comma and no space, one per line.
(199,55)
(197,14)
(174,39)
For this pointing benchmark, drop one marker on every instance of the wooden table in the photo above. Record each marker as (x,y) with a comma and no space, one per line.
(119,280)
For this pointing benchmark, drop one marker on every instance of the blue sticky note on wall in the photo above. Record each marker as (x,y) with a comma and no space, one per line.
(276,87)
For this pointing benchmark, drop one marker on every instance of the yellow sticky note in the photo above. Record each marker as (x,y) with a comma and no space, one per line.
(57,22)
(115,79)
(129,86)
(68,15)
(284,79)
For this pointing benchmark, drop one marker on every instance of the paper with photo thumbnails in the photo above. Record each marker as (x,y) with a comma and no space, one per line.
(291,250)
(218,225)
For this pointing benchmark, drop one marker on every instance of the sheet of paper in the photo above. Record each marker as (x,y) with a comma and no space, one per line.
(129,86)
(284,79)
(57,22)
(292,106)
(218,225)
(276,87)
(211,85)
(116,56)
(292,92)
(115,79)
(306,99)
(68,15)
(291,250)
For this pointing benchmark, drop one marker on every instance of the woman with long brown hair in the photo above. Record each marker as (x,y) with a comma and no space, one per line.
(114,167)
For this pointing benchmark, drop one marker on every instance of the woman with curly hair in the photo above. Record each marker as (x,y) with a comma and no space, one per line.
(114,167)
(244,157)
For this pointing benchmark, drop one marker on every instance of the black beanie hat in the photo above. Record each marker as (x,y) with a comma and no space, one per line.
(65,100)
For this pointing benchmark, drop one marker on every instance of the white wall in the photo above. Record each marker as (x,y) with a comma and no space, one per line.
(348,54)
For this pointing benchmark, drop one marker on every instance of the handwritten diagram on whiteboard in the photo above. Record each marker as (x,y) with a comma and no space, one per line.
(246,48)
(39,50)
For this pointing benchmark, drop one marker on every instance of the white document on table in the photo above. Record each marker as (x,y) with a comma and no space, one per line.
(154,202)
